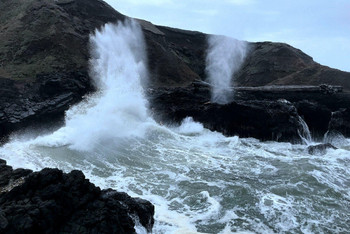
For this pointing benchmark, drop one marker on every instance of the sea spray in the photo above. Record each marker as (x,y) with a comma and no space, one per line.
(118,108)
(224,57)
(335,138)
(305,133)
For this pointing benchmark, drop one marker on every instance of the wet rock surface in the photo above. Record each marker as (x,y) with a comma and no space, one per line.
(264,113)
(50,201)
(266,120)
(314,105)
(340,121)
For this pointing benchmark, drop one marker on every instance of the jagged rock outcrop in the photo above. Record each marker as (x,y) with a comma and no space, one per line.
(50,201)
(313,104)
(340,122)
(265,120)
(260,112)
(339,127)
(44,53)
(316,115)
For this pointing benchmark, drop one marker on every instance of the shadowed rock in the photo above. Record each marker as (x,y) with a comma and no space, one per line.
(313,104)
(340,121)
(265,120)
(51,201)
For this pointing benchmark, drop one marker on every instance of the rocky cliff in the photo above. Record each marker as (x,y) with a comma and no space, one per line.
(44,53)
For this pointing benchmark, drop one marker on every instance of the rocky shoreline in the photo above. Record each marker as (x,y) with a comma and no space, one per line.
(44,70)
(266,113)
(50,201)
(43,74)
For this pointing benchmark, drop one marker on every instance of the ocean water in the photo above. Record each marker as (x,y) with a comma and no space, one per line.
(199,181)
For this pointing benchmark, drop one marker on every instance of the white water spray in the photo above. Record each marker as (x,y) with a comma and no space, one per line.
(118,108)
(305,134)
(335,138)
(225,56)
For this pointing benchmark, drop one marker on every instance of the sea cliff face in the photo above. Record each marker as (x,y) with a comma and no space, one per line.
(44,54)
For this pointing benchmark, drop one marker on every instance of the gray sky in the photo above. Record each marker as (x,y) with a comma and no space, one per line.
(321,28)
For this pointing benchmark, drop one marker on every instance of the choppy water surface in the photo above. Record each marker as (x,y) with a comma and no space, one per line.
(198,180)
(201,181)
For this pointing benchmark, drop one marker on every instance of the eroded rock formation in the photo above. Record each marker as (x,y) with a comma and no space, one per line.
(50,201)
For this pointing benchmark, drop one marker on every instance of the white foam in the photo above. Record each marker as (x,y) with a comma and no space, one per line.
(280,210)
(190,127)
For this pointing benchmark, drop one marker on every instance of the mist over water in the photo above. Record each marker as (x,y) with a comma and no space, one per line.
(225,56)
(198,180)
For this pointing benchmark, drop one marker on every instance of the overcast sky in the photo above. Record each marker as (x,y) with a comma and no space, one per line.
(321,28)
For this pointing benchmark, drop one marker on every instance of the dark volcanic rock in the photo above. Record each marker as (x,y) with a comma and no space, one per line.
(314,105)
(320,149)
(316,115)
(51,201)
(176,57)
(258,112)
(8,176)
(340,122)
(339,127)
(265,120)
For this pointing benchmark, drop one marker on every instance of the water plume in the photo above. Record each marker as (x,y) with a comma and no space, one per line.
(118,108)
(224,57)
(305,133)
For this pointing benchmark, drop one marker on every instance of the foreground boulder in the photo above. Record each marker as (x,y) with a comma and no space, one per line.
(51,201)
